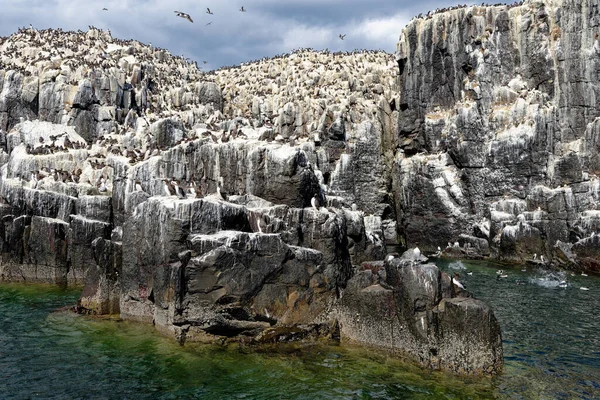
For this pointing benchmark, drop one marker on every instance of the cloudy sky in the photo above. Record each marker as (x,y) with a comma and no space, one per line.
(269,27)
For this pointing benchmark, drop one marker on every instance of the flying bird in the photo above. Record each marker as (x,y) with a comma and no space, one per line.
(208,11)
(184,15)
(105,9)
(209,23)
(342,36)
(242,9)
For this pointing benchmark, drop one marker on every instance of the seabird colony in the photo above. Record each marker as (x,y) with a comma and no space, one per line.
(258,98)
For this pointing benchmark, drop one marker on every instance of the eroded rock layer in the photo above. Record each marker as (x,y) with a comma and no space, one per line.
(253,203)
(499,132)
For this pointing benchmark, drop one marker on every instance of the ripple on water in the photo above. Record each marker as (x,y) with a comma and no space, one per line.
(549,333)
(550,346)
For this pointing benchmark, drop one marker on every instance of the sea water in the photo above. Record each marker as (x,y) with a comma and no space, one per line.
(550,335)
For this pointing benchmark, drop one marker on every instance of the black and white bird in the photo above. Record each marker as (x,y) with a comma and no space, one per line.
(168,189)
(242,9)
(417,252)
(457,282)
(342,36)
(33,180)
(102,187)
(138,186)
(193,190)
(314,202)
(184,15)
(208,11)
(179,191)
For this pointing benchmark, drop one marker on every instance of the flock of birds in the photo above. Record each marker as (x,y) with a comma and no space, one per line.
(501,274)
(430,14)
(208,11)
(187,16)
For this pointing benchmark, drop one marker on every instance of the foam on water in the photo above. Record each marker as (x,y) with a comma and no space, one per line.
(548,279)
(457,265)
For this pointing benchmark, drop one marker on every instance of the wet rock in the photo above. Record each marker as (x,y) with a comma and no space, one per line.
(101,293)
(411,313)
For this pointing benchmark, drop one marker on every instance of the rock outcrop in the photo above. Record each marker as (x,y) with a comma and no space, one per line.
(253,203)
(498,129)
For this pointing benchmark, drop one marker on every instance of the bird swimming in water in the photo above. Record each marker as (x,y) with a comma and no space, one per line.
(184,15)
(563,284)
(208,11)
(584,288)
(315,202)
(501,274)
(342,36)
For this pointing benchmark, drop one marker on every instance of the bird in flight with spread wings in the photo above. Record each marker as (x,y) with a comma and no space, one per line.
(184,15)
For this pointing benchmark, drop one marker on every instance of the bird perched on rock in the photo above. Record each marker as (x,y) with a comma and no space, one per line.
(194,190)
(168,188)
(34,179)
(456,282)
(102,187)
(184,15)
(138,186)
(220,192)
(417,252)
(179,191)
(314,202)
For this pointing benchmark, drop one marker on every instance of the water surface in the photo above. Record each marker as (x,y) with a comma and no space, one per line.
(550,338)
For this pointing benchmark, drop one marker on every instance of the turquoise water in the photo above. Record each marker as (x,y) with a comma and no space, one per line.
(550,344)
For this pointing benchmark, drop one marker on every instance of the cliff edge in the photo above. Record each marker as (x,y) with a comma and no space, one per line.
(253,203)
(498,131)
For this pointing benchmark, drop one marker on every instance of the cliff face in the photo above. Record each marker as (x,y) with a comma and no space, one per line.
(253,203)
(498,132)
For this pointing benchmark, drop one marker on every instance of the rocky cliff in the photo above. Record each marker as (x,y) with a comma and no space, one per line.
(253,203)
(498,132)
